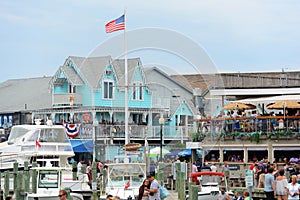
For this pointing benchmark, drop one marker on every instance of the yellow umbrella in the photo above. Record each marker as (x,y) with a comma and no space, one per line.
(284,104)
(238,106)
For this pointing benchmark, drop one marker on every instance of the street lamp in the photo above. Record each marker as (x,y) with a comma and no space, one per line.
(161,121)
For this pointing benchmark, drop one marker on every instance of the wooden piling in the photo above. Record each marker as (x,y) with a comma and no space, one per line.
(193,191)
(26,177)
(177,170)
(19,186)
(94,180)
(181,185)
(6,184)
(15,170)
(34,178)
(74,171)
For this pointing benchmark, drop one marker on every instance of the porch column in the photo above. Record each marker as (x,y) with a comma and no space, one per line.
(245,154)
(111,115)
(53,116)
(95,121)
(270,153)
(221,153)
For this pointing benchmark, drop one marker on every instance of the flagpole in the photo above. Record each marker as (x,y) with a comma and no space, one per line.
(126,83)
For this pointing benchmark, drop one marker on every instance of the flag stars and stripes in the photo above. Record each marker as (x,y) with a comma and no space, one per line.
(115,25)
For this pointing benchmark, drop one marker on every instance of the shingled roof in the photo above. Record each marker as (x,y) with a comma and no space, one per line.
(25,94)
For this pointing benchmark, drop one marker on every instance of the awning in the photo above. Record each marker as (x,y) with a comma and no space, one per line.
(286,148)
(257,149)
(82,145)
(233,149)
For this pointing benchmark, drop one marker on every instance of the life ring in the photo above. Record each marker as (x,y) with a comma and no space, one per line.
(132,147)
(86,117)
(72,130)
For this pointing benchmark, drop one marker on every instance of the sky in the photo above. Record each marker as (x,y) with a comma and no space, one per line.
(36,37)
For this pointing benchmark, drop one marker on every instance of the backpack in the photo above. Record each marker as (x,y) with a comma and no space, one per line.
(164,193)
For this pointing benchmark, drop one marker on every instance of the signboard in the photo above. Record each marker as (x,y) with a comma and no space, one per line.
(234,167)
(249,178)
(194,145)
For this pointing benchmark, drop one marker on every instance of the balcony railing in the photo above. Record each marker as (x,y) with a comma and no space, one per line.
(270,127)
(63,100)
(139,132)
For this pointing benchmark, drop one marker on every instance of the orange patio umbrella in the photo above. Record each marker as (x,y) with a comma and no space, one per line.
(284,104)
(238,106)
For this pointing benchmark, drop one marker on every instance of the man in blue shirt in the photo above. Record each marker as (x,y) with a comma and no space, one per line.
(270,189)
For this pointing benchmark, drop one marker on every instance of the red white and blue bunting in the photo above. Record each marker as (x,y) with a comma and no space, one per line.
(72,130)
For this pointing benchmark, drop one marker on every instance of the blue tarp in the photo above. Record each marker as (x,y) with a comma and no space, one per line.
(172,154)
(188,152)
(82,145)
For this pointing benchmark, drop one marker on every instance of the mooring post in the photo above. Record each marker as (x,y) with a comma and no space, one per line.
(74,171)
(177,170)
(181,186)
(161,169)
(34,178)
(26,177)
(6,184)
(94,180)
(16,165)
(193,191)
(19,186)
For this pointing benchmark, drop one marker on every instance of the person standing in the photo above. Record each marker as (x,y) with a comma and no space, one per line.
(269,186)
(154,193)
(222,195)
(143,194)
(293,189)
(225,169)
(281,184)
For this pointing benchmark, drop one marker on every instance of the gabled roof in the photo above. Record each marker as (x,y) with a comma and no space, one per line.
(119,66)
(18,95)
(173,79)
(91,68)
(72,75)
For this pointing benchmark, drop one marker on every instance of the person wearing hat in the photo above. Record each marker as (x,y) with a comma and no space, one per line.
(154,193)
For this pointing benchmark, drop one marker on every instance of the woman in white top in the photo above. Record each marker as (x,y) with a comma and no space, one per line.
(293,189)
(281,185)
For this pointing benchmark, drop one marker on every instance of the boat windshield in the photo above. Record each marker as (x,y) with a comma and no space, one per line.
(120,175)
(16,133)
(32,133)
(53,135)
(48,179)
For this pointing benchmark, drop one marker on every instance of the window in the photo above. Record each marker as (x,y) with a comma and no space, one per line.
(141,92)
(107,89)
(137,91)
(72,89)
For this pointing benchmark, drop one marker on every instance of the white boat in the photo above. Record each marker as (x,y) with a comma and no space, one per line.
(124,179)
(34,142)
(49,182)
(209,187)
(48,145)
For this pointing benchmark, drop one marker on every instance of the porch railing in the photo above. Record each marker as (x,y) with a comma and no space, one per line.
(136,132)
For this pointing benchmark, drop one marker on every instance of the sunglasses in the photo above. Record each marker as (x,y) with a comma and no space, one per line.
(61,195)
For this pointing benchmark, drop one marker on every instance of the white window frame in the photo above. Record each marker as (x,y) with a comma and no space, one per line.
(137,91)
(109,90)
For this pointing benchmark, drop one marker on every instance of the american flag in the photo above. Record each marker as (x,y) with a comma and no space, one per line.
(115,25)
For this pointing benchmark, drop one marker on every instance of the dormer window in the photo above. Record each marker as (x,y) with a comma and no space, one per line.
(108,72)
